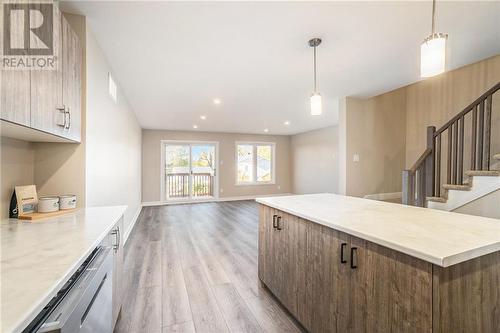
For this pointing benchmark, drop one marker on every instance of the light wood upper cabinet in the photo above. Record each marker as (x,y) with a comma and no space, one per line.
(48,100)
(71,75)
(15,91)
(47,110)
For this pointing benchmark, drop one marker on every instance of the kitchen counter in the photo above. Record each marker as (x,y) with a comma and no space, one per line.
(439,237)
(37,258)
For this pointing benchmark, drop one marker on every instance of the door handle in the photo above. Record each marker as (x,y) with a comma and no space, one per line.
(69,118)
(274,221)
(342,250)
(354,257)
(278,219)
(62,109)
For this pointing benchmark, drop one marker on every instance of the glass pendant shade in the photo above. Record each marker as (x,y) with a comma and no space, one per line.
(433,55)
(316,105)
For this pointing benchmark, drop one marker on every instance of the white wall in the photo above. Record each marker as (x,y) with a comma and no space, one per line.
(114,141)
(314,161)
(151,152)
(486,206)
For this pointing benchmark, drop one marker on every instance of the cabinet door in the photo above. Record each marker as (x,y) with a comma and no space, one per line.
(15,90)
(266,251)
(324,305)
(47,112)
(292,249)
(391,291)
(71,77)
(118,270)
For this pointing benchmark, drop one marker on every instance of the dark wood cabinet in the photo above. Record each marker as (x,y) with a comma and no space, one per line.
(335,282)
(390,291)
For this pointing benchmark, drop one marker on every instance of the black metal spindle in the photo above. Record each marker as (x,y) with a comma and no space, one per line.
(455,152)
(438,166)
(474,137)
(487,133)
(480,137)
(460,151)
(448,161)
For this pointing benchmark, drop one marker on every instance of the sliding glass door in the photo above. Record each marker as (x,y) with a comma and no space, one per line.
(190,171)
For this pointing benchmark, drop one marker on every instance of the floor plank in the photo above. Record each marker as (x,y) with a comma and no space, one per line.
(238,317)
(193,268)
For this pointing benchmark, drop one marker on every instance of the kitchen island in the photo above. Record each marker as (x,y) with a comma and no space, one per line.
(343,264)
(38,258)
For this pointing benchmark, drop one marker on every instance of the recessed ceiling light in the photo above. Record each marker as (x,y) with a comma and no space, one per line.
(217,101)
(195,126)
(266,130)
(286,123)
(203,117)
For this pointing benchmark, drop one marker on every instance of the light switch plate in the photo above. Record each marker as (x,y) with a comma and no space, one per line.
(355,158)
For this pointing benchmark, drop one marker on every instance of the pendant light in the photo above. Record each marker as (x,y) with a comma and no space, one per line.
(433,50)
(316,104)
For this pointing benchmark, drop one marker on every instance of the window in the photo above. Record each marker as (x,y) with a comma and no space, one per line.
(254,163)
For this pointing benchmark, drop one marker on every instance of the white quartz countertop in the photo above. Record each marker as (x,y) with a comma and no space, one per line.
(439,237)
(37,258)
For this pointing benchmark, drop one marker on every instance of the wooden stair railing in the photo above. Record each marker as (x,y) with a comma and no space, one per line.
(423,179)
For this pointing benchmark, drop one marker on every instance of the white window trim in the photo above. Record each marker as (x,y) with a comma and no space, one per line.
(273,163)
(163,144)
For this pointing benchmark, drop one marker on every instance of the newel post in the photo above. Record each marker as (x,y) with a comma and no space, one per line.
(407,188)
(429,163)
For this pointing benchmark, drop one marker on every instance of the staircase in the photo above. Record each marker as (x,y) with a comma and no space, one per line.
(457,166)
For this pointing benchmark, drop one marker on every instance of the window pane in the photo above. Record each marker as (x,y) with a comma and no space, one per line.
(177,159)
(245,163)
(264,163)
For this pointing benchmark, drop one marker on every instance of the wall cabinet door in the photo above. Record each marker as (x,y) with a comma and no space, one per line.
(390,291)
(71,79)
(48,100)
(118,271)
(15,90)
(47,110)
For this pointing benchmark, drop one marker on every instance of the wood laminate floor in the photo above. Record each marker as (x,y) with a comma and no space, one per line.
(193,268)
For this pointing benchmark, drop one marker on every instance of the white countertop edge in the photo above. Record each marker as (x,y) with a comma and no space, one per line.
(37,308)
(439,261)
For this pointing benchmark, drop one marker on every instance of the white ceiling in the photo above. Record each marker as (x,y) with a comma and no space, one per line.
(172,59)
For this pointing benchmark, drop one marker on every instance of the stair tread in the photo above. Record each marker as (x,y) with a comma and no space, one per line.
(436,199)
(482,173)
(496,156)
(457,187)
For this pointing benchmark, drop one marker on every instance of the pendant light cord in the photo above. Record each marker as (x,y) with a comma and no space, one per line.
(315,90)
(433,16)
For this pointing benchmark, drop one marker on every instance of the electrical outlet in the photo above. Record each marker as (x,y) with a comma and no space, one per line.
(279,187)
(221,190)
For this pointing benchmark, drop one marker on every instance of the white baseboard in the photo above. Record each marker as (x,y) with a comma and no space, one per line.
(132,223)
(384,196)
(237,198)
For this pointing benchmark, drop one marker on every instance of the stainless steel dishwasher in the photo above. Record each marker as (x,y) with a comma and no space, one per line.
(84,304)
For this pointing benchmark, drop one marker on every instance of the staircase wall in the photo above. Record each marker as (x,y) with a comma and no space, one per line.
(434,101)
(487,206)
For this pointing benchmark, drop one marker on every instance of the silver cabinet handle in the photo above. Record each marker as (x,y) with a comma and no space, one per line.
(62,109)
(116,233)
(119,237)
(67,111)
